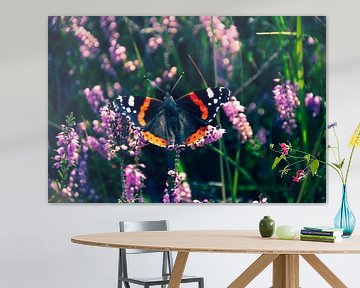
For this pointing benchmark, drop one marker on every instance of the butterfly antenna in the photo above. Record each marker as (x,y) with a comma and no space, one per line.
(153,84)
(182,74)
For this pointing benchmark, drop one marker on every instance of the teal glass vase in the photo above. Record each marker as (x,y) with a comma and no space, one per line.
(345,219)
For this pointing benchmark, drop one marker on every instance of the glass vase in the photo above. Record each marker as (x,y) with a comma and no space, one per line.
(345,219)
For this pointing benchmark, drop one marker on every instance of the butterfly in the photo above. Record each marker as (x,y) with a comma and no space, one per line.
(173,122)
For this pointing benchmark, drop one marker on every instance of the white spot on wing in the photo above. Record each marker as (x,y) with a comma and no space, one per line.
(210,93)
(215,101)
(131,101)
(128,109)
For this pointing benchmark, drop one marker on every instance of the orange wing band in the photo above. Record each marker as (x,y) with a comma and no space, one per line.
(143,108)
(153,139)
(196,136)
(198,102)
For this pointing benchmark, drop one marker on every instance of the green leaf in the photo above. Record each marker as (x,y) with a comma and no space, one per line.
(277,161)
(342,163)
(307,157)
(314,166)
(271,146)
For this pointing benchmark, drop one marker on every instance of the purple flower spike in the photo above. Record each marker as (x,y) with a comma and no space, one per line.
(228,41)
(332,125)
(95,98)
(213,134)
(235,112)
(89,43)
(68,151)
(181,192)
(134,182)
(313,104)
(286,102)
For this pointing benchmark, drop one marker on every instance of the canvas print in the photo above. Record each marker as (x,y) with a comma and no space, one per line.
(186,109)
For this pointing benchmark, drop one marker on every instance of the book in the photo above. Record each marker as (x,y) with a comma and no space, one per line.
(326,240)
(319,236)
(323,228)
(321,233)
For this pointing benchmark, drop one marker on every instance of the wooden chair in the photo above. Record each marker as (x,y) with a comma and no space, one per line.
(167,263)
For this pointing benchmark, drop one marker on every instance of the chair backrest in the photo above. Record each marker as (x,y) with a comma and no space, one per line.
(134,226)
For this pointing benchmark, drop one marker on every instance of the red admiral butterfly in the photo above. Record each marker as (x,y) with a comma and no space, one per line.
(173,122)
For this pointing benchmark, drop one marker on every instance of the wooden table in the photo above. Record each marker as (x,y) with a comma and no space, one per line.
(284,254)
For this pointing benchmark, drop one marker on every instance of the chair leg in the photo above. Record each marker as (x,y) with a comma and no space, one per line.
(201,283)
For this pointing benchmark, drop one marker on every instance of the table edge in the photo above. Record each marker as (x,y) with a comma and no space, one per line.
(203,250)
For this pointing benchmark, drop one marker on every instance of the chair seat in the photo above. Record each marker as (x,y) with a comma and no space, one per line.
(158,280)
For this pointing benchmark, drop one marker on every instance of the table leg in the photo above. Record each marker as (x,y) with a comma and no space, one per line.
(178,269)
(324,271)
(253,270)
(286,271)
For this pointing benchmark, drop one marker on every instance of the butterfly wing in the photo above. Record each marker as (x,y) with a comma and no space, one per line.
(203,104)
(141,110)
(191,129)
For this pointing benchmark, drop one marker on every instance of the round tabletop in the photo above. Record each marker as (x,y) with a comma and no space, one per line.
(217,241)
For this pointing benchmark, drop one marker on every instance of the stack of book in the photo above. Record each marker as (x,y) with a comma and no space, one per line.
(321,234)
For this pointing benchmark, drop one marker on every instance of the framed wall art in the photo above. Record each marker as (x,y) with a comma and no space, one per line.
(186,109)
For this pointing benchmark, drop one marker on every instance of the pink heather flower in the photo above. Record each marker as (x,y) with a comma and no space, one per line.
(100,145)
(183,190)
(154,43)
(109,25)
(198,201)
(95,98)
(310,40)
(134,181)
(121,134)
(131,66)
(68,151)
(284,148)
(235,112)
(313,104)
(261,200)
(171,24)
(286,101)
(180,192)
(228,39)
(117,53)
(158,26)
(212,135)
(89,43)
(262,135)
(169,74)
(106,65)
(300,174)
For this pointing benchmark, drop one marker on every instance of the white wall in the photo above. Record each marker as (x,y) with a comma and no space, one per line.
(35,248)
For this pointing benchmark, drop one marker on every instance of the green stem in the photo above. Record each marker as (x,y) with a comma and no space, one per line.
(348,166)
(339,155)
(280,22)
(236,173)
(300,80)
(241,170)
(137,52)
